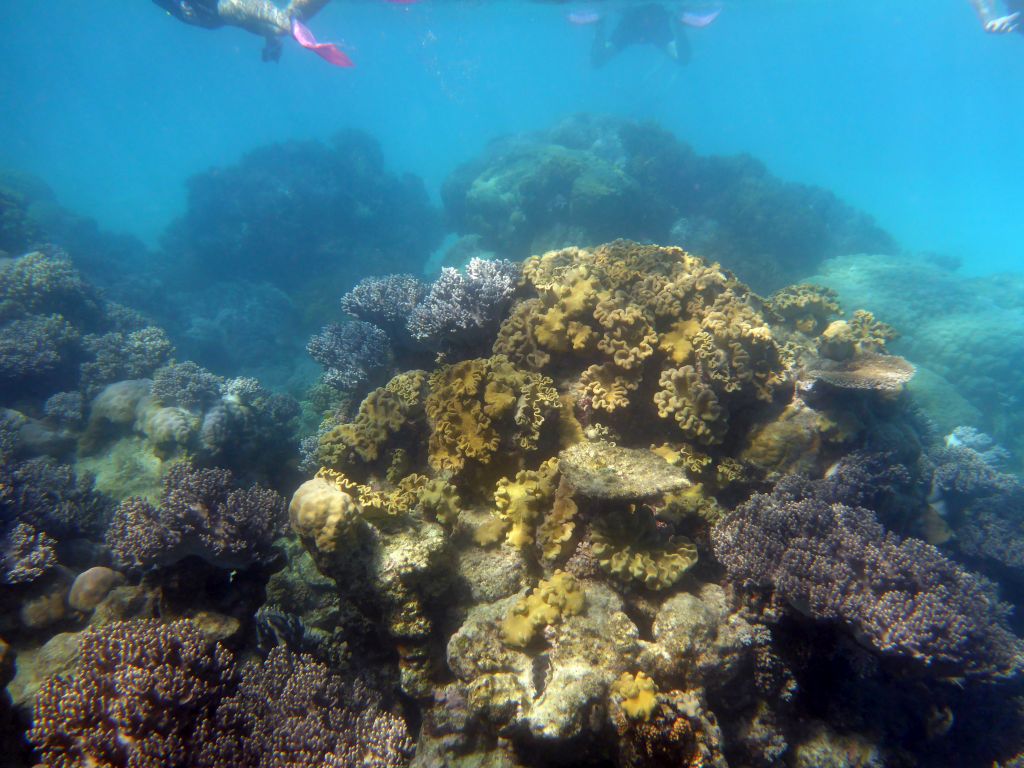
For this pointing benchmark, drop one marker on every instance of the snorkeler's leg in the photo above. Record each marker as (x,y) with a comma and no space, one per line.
(994,23)
(601,51)
(305,9)
(679,49)
(261,17)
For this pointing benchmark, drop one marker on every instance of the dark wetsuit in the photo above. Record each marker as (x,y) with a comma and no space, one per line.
(200,13)
(647,24)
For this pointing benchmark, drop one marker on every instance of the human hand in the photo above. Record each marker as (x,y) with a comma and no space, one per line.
(1003,24)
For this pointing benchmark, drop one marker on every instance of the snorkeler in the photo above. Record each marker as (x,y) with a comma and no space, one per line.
(647,24)
(996,24)
(261,17)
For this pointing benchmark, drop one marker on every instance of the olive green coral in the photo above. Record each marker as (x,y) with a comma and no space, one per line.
(629,546)
(476,406)
(551,600)
(636,695)
(805,308)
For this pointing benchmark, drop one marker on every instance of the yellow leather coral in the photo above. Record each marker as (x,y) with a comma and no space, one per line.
(636,695)
(693,404)
(475,404)
(551,601)
(629,545)
(521,502)
(382,413)
(606,386)
(805,308)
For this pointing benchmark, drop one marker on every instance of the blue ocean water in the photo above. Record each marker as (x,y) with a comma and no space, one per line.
(304,462)
(908,111)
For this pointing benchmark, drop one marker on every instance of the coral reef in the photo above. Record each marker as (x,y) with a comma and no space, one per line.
(305,216)
(590,179)
(954,326)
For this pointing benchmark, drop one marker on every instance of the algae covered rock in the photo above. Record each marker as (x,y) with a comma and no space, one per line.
(602,470)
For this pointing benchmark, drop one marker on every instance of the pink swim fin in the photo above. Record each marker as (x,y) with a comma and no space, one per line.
(326,51)
(699,19)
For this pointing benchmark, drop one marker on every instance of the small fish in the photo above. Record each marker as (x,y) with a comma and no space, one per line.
(186,9)
(699,20)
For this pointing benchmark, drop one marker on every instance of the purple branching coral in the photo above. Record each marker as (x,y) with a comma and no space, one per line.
(66,409)
(386,302)
(40,283)
(151,695)
(201,514)
(464,310)
(291,711)
(25,554)
(51,497)
(35,347)
(117,356)
(186,385)
(352,353)
(143,696)
(900,597)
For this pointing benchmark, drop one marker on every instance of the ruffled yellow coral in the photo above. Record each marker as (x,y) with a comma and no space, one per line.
(521,504)
(693,404)
(551,601)
(805,308)
(636,695)
(517,336)
(628,338)
(606,387)
(862,334)
(677,341)
(382,413)
(476,404)
(556,530)
(629,545)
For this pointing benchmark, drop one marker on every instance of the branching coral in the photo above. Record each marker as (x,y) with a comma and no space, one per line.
(141,698)
(900,597)
(291,711)
(201,513)
(118,355)
(386,302)
(464,310)
(352,354)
